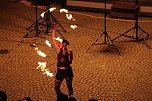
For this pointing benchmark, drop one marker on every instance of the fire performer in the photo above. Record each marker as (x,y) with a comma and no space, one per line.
(64,70)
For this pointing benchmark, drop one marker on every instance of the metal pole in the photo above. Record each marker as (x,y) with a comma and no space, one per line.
(136,24)
(105,32)
(36,19)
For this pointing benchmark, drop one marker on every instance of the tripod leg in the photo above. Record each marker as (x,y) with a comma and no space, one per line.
(40,31)
(143,41)
(32,24)
(25,36)
(108,41)
(58,23)
(143,31)
(113,44)
(20,42)
(146,44)
(95,41)
(124,34)
(41,23)
(60,34)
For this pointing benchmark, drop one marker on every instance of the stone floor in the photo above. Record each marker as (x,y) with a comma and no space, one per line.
(99,73)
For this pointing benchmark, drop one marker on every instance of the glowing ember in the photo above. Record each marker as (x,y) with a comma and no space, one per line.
(69,16)
(48,73)
(42,15)
(36,48)
(58,39)
(42,66)
(52,9)
(73,26)
(40,53)
(48,43)
(63,10)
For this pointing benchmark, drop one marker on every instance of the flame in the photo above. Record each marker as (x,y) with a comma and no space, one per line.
(73,26)
(48,73)
(48,43)
(40,53)
(36,48)
(58,39)
(52,9)
(69,16)
(63,10)
(42,14)
(42,66)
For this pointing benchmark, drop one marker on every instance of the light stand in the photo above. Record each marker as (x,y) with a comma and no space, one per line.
(38,22)
(49,16)
(107,39)
(36,27)
(136,28)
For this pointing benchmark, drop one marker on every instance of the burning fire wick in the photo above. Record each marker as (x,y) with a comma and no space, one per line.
(58,39)
(69,17)
(42,66)
(40,53)
(48,43)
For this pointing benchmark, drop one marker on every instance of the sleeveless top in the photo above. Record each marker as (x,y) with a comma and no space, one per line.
(66,62)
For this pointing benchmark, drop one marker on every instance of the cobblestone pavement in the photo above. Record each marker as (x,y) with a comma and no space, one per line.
(100,73)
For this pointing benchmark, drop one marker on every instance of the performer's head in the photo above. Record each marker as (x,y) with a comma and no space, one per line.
(65,43)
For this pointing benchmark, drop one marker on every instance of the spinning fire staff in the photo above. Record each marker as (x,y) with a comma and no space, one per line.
(107,39)
(136,28)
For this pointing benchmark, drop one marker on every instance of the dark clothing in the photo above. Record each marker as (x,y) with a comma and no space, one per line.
(66,62)
(66,73)
(62,74)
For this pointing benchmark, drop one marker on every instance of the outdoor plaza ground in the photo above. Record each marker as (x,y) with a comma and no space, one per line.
(100,73)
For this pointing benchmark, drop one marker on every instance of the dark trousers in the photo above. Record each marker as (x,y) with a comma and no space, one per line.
(66,74)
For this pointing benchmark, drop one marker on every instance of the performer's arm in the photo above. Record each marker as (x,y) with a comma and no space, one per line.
(57,45)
